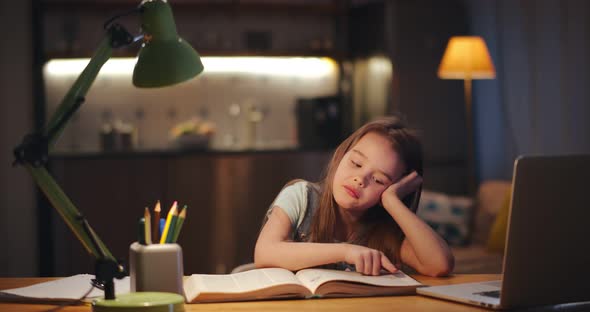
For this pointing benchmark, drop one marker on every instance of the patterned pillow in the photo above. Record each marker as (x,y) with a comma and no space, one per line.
(448,215)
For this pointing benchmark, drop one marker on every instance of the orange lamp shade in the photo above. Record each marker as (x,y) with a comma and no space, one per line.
(466,57)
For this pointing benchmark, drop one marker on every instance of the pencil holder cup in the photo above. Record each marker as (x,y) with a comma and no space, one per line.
(156,267)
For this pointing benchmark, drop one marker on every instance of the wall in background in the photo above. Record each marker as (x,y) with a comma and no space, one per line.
(416,36)
(17,197)
(371,88)
(539,103)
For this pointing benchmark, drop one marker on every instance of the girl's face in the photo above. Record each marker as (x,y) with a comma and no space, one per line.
(364,172)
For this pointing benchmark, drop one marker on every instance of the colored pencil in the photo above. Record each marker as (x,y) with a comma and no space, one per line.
(147,223)
(167,225)
(162,224)
(172,229)
(141,231)
(179,222)
(156,222)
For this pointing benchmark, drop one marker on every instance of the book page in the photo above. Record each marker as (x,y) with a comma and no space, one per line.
(69,288)
(240,282)
(314,278)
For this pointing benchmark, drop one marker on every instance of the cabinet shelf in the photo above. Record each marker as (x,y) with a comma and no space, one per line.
(318,7)
(214,28)
(133,53)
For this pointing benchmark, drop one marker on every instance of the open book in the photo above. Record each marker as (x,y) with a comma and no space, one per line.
(69,290)
(276,283)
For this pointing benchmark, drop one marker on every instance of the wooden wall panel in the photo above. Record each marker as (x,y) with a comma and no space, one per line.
(227,195)
(111,193)
(191,181)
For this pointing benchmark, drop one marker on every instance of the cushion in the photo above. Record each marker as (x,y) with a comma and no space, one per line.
(490,197)
(448,215)
(497,236)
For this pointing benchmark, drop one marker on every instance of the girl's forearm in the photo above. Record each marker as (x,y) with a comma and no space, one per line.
(296,255)
(430,249)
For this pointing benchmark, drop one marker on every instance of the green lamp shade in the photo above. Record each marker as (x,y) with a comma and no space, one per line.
(165,63)
(164,58)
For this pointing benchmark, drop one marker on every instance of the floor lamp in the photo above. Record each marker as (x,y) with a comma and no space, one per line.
(467,58)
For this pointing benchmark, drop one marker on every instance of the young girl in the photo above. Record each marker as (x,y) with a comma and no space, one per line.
(362,214)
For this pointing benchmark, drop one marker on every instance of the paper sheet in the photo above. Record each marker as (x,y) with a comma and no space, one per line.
(69,288)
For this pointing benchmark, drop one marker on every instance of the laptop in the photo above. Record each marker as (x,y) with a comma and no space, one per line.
(547,254)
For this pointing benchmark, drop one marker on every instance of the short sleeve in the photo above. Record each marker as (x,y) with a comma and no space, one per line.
(293,201)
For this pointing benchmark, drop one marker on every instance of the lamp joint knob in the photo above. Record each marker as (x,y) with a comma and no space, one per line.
(32,150)
(119,36)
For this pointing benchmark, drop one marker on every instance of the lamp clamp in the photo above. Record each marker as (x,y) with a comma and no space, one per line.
(106,270)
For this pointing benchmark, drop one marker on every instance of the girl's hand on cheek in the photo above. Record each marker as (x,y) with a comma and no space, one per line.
(404,187)
(368,261)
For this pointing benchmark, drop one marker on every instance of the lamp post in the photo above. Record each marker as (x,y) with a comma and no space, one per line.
(467,58)
(164,59)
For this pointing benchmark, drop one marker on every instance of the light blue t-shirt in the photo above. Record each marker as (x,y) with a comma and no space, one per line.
(299,201)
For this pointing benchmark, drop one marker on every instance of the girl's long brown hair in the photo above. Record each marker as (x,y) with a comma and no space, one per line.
(378,229)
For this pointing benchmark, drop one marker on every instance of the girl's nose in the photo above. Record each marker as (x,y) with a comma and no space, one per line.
(359,181)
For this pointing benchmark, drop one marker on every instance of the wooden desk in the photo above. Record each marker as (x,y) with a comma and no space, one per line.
(394,303)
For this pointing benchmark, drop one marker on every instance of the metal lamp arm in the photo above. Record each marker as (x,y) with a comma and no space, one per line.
(116,36)
(33,152)
(69,213)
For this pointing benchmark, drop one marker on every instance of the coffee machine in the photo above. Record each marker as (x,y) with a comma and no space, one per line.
(319,122)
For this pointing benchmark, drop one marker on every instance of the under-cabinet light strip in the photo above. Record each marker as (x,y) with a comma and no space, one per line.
(304,67)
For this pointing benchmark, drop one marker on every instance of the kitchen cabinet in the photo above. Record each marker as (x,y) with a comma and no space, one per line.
(227,195)
(285,28)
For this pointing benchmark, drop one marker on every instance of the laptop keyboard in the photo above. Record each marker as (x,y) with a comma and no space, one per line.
(497,284)
(492,293)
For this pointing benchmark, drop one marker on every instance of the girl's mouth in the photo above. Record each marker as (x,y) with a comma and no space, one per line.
(351,191)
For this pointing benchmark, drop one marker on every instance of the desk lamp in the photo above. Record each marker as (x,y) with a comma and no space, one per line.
(164,59)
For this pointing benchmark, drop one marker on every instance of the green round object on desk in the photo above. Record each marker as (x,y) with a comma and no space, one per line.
(141,301)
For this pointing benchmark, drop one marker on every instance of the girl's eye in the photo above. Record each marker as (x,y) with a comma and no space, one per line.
(378,181)
(355,164)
